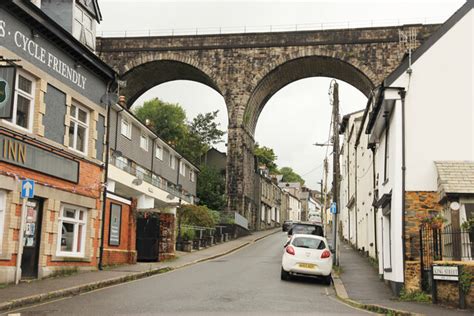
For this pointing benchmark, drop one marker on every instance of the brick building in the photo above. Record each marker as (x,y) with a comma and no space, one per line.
(52,132)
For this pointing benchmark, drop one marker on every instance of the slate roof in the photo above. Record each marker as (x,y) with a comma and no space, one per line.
(455,177)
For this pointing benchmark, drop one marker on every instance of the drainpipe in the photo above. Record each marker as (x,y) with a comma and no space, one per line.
(374,208)
(402,94)
(106,176)
(355,200)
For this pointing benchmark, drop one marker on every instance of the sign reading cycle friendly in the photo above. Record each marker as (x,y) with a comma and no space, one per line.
(7,81)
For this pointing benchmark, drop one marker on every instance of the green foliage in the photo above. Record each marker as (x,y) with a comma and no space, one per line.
(211,188)
(167,120)
(195,215)
(414,296)
(468,225)
(266,156)
(188,233)
(289,175)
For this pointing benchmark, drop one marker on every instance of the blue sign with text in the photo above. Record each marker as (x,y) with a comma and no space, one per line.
(333,208)
(27,189)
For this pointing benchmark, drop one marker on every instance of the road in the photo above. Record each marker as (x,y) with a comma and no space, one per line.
(246,281)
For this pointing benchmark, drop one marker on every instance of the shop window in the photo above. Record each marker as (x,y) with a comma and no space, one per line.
(144,142)
(72,231)
(126,129)
(24,100)
(3,206)
(78,128)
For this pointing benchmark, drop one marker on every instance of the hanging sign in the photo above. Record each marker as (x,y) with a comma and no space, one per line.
(7,84)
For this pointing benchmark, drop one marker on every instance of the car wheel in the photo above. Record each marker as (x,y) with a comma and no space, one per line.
(285,276)
(327,280)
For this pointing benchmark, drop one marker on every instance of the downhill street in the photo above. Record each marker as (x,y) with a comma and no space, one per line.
(247,281)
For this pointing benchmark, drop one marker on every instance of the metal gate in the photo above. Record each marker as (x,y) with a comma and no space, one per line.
(430,250)
(148,238)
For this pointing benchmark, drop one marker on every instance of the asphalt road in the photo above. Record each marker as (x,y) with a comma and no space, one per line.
(247,281)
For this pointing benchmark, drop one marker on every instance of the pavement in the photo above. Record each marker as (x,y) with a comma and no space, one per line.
(243,282)
(28,293)
(360,285)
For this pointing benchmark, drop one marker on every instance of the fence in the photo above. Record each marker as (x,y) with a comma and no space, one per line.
(234,218)
(443,244)
(270,28)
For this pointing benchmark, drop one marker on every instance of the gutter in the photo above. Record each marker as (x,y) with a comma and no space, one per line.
(402,94)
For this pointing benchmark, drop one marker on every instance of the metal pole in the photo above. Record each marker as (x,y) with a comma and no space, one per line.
(20,241)
(335,168)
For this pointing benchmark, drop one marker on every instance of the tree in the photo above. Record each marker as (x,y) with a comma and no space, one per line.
(289,175)
(211,188)
(204,126)
(267,157)
(167,120)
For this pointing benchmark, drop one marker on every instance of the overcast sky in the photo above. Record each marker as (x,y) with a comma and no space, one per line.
(291,133)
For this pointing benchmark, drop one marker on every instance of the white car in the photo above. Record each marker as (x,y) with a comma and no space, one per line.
(307,255)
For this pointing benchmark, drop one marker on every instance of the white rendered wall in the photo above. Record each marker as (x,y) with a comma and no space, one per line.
(440,106)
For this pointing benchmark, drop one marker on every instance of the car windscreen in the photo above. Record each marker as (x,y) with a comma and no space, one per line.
(307,229)
(310,243)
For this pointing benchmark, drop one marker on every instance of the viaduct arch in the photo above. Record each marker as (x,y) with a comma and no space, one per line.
(247,69)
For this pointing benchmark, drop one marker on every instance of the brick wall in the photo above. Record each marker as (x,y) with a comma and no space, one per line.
(417,203)
(167,236)
(125,252)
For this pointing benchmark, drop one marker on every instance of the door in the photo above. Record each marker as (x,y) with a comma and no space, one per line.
(32,234)
(148,232)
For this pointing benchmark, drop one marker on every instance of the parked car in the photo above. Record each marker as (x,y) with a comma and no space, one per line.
(307,255)
(306,228)
(286,225)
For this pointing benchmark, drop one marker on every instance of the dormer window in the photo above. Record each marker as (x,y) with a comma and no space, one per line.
(84,27)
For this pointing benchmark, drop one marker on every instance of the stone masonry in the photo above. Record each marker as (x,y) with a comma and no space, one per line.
(247,69)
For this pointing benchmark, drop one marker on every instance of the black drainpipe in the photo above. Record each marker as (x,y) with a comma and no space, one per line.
(372,148)
(355,200)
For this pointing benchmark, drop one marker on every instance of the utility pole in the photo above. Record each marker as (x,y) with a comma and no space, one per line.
(334,90)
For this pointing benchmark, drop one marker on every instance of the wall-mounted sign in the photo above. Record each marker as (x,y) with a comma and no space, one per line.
(7,84)
(26,155)
(446,273)
(114,227)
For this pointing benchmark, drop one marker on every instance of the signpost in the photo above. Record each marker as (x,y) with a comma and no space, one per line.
(333,208)
(446,273)
(27,192)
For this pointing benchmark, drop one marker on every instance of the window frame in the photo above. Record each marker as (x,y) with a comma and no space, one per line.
(75,221)
(182,168)
(386,168)
(31,97)
(159,152)
(172,163)
(192,176)
(3,208)
(128,133)
(75,120)
(84,28)
(146,139)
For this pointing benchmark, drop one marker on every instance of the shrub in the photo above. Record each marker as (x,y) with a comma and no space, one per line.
(196,215)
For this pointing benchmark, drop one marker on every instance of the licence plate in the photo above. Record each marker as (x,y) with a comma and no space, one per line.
(307,265)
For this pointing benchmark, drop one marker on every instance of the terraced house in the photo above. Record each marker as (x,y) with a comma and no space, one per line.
(52,131)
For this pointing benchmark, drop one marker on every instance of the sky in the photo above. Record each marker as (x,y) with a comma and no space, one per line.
(291,134)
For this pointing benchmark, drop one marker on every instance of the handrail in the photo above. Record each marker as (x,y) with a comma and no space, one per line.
(271,28)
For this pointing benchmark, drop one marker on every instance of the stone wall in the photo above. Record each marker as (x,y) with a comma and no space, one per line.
(412,276)
(417,204)
(448,291)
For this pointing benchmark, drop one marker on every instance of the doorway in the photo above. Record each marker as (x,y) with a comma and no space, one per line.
(148,232)
(32,239)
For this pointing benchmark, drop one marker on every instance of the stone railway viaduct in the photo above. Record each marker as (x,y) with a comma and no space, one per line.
(248,69)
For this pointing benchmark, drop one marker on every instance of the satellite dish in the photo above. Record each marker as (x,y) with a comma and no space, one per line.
(137,181)
(454,206)
(109,99)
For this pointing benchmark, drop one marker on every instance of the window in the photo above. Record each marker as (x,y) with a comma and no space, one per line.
(84,27)
(23,104)
(126,129)
(192,176)
(182,168)
(144,142)
(115,224)
(3,202)
(172,162)
(159,152)
(78,128)
(72,231)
